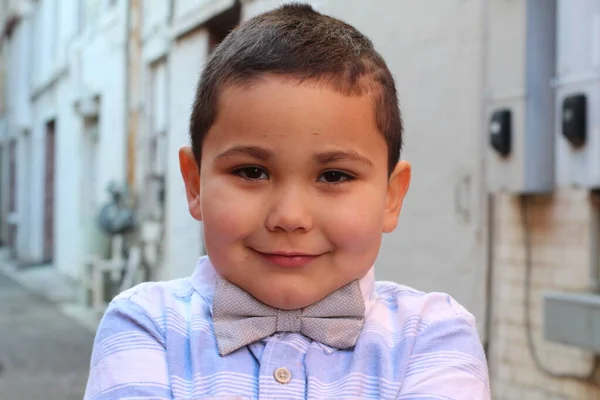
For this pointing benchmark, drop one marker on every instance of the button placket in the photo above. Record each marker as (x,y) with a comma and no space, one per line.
(281,368)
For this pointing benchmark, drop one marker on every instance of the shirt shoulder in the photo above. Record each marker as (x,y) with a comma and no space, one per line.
(131,357)
(408,303)
(167,300)
(444,354)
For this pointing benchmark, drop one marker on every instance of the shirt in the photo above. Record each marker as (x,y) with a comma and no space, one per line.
(156,341)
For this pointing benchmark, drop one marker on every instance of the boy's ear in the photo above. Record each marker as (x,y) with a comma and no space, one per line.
(191,178)
(398,184)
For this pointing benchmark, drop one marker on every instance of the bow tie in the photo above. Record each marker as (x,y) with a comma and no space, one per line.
(239,319)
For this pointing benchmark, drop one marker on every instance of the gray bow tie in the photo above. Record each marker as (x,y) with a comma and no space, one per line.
(240,319)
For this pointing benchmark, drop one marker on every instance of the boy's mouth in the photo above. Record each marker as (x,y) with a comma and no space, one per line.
(288,259)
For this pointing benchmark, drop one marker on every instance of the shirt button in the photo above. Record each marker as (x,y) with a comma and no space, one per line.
(282,375)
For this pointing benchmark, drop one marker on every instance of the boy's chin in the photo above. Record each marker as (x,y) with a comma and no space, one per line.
(287,299)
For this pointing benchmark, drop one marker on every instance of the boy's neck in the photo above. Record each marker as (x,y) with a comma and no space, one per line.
(204,278)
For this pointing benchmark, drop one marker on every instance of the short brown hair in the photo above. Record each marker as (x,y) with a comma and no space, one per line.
(297,42)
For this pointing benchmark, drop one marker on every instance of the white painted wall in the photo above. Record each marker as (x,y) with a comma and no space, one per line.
(155,13)
(189,10)
(254,7)
(30,177)
(67,208)
(183,7)
(97,69)
(19,119)
(436,60)
(154,93)
(20,76)
(183,241)
(155,31)
(41,74)
(42,88)
(106,79)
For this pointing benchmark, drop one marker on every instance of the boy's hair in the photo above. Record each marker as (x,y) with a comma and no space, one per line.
(296,42)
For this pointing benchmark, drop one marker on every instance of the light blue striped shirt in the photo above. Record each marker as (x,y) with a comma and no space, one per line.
(156,341)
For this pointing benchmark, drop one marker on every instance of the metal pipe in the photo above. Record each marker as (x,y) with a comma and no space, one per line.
(594,271)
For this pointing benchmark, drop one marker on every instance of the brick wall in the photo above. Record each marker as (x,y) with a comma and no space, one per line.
(559,228)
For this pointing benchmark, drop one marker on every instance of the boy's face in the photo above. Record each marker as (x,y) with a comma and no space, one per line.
(293,190)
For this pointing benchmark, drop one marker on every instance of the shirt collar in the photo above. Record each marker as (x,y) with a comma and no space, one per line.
(204,276)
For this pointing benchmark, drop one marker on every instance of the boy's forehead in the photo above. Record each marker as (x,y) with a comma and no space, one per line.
(273,100)
(281,119)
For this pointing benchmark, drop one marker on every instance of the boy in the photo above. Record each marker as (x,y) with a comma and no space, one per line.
(294,172)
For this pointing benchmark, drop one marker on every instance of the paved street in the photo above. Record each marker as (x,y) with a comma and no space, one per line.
(43,353)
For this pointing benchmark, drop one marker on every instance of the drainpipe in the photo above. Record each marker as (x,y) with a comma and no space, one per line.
(594,246)
(132,76)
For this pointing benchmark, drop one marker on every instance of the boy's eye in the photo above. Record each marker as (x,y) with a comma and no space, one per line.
(334,177)
(252,173)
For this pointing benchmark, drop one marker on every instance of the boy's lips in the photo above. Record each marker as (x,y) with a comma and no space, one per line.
(288,259)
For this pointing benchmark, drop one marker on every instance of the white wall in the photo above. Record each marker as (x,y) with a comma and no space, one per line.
(19,75)
(254,7)
(155,31)
(154,93)
(189,10)
(107,80)
(183,243)
(97,69)
(96,61)
(36,44)
(67,208)
(183,7)
(436,60)
(155,13)
(39,77)
(20,119)
(42,88)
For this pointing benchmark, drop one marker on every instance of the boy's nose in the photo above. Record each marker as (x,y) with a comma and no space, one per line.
(289,212)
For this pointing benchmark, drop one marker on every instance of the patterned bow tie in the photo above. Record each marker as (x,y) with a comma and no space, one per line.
(240,319)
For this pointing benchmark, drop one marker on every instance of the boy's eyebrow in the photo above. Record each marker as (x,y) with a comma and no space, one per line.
(321,158)
(252,151)
(338,155)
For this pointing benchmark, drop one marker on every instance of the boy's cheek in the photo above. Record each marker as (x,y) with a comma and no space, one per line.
(353,229)
(226,217)
(228,214)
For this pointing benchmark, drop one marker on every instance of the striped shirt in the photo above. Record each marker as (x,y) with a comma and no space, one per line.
(156,341)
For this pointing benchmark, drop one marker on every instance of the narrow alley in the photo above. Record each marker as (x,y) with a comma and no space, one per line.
(43,353)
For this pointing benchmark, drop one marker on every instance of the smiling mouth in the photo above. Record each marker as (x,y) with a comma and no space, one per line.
(288,259)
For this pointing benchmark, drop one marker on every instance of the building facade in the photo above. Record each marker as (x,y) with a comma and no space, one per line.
(65,72)
(99,91)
